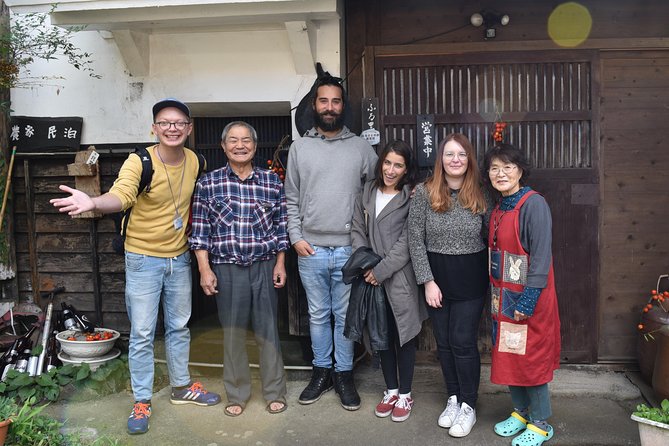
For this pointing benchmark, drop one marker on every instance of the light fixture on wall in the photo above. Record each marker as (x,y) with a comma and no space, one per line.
(490,20)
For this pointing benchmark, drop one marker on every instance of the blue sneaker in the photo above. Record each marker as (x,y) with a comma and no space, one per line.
(138,421)
(195,394)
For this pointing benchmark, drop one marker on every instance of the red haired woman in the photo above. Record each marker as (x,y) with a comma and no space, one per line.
(447,223)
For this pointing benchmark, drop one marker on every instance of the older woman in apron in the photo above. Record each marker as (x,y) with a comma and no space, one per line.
(525,320)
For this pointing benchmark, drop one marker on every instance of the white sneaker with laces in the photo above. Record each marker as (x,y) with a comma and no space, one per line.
(448,416)
(464,422)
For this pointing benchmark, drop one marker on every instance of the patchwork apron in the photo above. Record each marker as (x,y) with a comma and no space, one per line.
(524,353)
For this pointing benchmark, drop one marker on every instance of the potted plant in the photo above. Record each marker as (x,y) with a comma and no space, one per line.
(653,344)
(8,409)
(653,424)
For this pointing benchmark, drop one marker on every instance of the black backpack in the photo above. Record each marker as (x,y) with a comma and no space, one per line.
(122,218)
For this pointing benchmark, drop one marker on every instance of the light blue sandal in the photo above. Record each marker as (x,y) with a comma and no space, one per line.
(511,426)
(533,436)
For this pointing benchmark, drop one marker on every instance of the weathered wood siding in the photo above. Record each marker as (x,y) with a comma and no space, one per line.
(64,245)
(634,191)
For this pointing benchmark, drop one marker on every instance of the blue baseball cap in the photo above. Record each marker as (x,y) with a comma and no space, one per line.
(170,102)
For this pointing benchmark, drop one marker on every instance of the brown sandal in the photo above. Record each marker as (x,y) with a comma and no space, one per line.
(233,414)
(283,407)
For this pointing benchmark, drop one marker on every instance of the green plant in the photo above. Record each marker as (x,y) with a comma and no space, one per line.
(30,38)
(659,414)
(109,378)
(8,408)
(30,428)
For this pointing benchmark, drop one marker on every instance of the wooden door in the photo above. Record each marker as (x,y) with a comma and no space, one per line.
(547,100)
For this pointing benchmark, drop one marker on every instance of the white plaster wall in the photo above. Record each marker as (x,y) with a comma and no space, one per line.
(250,66)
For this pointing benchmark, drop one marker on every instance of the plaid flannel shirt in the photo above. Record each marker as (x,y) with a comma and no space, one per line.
(239,221)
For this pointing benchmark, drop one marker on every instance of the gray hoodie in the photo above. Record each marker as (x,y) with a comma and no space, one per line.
(323,177)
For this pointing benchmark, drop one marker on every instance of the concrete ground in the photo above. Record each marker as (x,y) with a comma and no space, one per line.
(591,407)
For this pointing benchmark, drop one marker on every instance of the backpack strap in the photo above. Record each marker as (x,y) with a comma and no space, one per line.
(144,183)
(201,165)
(147,170)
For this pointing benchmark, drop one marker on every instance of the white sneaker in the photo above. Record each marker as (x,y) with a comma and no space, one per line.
(464,422)
(448,416)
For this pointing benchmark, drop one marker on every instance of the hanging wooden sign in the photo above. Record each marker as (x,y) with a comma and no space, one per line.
(35,134)
(370,120)
(425,140)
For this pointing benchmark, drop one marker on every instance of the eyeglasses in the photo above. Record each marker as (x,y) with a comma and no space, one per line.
(461,156)
(508,170)
(165,125)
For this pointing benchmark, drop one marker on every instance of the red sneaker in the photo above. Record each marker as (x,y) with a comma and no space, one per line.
(386,406)
(402,409)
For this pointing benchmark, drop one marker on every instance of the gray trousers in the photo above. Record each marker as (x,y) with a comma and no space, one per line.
(247,295)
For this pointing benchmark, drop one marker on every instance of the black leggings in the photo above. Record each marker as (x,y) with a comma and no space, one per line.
(397,360)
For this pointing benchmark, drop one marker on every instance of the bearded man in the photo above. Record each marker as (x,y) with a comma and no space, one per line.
(327,168)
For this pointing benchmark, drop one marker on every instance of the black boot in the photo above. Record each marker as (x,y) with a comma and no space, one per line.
(321,382)
(345,387)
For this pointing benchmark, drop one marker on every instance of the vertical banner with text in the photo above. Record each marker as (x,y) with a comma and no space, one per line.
(370,121)
(425,140)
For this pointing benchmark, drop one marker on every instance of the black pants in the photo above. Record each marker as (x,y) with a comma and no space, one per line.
(397,359)
(455,326)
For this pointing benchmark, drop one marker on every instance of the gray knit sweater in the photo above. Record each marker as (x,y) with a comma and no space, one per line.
(454,232)
(323,178)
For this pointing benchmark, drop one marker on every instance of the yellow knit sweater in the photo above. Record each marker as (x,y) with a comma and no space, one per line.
(151,228)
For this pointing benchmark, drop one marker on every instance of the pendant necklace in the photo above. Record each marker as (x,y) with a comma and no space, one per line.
(178,221)
(495,224)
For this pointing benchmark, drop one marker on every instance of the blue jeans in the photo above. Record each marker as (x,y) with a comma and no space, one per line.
(327,296)
(147,280)
(536,399)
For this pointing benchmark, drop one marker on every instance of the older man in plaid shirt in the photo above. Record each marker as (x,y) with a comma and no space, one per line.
(239,238)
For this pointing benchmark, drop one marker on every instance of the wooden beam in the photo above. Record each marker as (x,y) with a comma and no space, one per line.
(648,43)
(95,263)
(135,50)
(32,236)
(302,38)
(368,80)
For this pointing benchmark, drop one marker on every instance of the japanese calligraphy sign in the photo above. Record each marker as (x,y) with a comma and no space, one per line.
(34,134)
(370,121)
(425,140)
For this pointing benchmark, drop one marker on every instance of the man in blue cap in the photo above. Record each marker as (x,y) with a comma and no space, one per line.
(157,259)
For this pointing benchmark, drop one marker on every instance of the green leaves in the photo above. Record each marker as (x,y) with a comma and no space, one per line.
(8,408)
(63,380)
(106,379)
(30,428)
(659,414)
(15,380)
(45,380)
(30,38)
(83,372)
(26,392)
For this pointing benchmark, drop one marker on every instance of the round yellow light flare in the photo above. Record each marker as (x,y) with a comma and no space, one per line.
(569,24)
